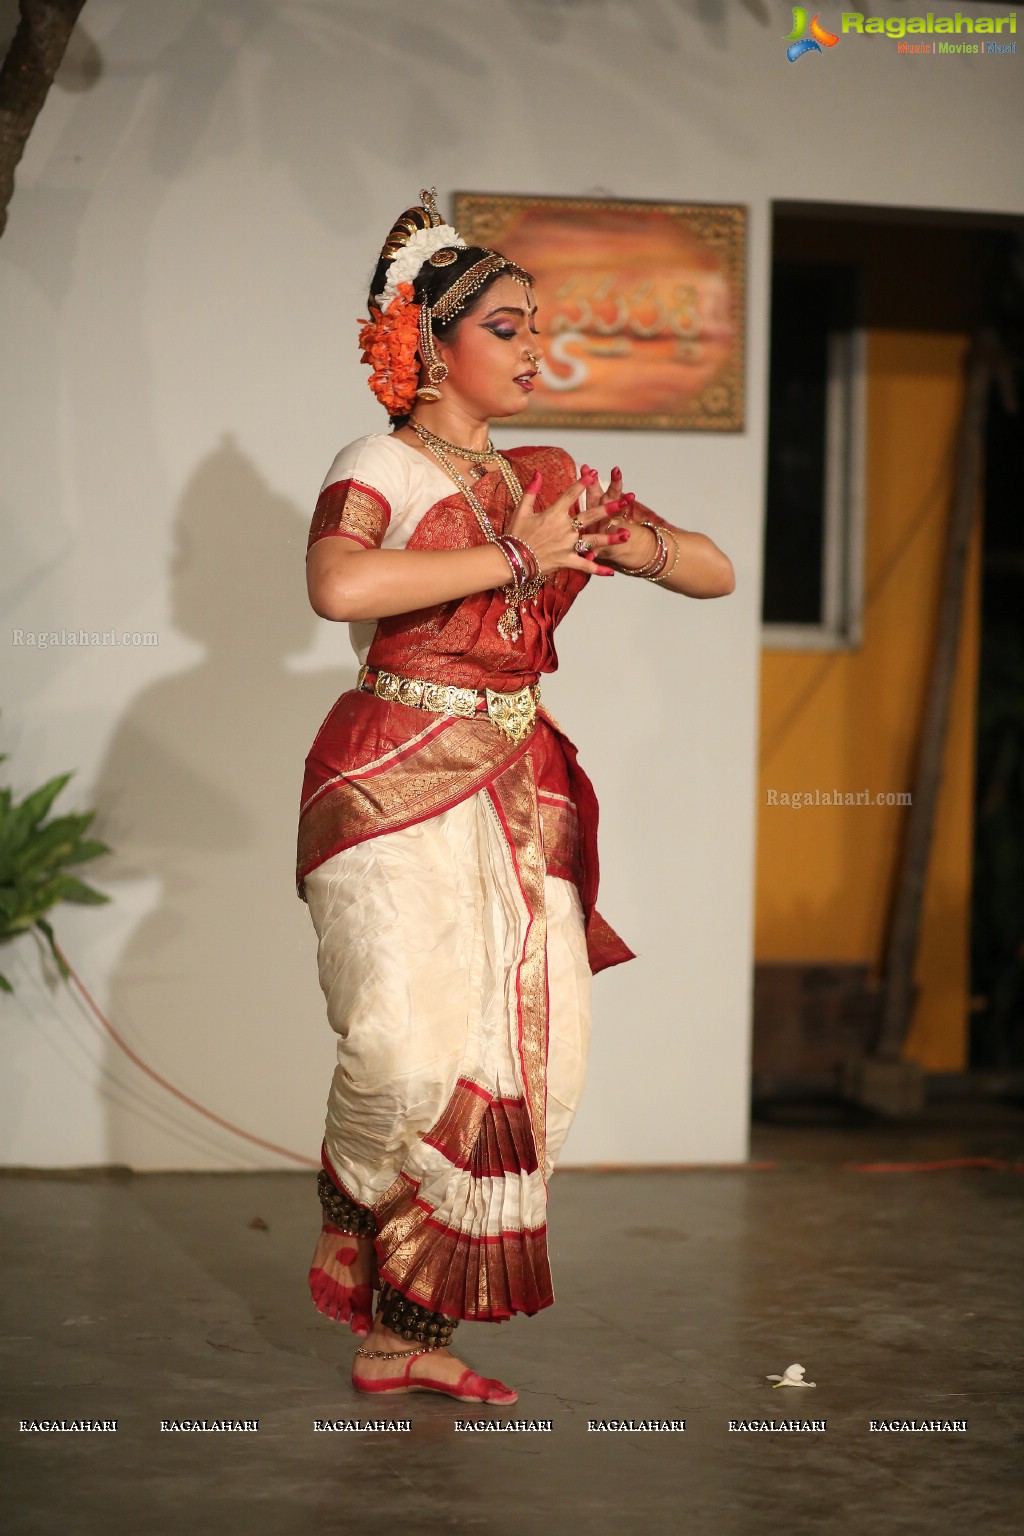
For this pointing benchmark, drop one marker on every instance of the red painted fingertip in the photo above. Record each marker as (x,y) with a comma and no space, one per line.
(616,473)
(535,483)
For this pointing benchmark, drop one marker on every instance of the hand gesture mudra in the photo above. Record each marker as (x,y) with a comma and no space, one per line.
(554,532)
(637,551)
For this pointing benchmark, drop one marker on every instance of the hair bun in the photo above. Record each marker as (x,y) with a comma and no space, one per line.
(423,216)
(402,230)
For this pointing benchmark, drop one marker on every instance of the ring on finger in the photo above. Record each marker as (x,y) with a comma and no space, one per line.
(577,524)
(582,546)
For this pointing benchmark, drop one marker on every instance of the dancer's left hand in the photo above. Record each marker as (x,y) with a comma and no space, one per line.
(632,552)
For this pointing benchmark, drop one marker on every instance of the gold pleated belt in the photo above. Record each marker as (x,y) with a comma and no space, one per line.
(512,713)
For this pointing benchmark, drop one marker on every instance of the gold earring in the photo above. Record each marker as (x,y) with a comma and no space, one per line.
(437,371)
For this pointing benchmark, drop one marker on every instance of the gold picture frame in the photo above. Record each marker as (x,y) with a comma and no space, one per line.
(641,306)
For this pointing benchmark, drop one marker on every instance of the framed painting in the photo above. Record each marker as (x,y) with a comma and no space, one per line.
(641,306)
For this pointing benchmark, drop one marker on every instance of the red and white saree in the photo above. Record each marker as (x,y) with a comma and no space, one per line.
(451,875)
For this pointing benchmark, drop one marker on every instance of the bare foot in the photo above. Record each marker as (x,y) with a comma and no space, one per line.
(438,1370)
(342,1278)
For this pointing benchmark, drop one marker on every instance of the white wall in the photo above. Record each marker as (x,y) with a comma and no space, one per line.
(194,224)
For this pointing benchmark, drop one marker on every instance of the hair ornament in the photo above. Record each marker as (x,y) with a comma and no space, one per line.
(389,341)
(414,239)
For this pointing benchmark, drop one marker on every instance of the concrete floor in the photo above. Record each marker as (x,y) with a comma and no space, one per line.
(149,1297)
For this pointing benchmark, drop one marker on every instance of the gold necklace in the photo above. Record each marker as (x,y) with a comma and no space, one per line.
(508,624)
(441,449)
(474,455)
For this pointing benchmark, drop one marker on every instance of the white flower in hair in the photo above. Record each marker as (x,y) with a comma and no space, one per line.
(418,249)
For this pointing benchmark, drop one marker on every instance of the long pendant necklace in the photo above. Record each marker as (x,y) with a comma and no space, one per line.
(440,448)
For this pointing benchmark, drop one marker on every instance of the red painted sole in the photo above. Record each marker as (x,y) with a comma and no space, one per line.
(398,1385)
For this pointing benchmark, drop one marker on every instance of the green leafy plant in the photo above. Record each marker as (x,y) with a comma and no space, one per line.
(35,853)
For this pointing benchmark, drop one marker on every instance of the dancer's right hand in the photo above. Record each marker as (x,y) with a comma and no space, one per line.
(552,535)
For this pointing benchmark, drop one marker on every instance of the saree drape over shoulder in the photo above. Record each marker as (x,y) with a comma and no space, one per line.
(452,877)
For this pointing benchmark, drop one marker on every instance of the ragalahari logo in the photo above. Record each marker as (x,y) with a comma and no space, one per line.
(799,45)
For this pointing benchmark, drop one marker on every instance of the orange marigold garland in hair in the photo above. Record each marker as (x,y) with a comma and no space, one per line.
(389,339)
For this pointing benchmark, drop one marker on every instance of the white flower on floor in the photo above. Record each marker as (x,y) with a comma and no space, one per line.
(793,1377)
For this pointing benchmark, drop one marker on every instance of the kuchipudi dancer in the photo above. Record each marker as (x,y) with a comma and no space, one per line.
(447,844)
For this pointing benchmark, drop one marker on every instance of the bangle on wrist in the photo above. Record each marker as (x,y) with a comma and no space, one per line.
(528,556)
(523,562)
(653,567)
(515,562)
(663,574)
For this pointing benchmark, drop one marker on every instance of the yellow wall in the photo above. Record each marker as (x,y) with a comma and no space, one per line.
(850,720)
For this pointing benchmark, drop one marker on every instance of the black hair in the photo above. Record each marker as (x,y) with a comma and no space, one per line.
(430,283)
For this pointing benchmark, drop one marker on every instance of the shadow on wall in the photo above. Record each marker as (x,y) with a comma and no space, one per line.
(200,789)
(184,91)
(548,19)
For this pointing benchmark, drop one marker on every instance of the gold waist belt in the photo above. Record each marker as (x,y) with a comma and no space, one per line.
(512,713)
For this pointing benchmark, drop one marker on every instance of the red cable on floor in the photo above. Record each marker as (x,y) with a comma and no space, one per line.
(309,1162)
(296,1157)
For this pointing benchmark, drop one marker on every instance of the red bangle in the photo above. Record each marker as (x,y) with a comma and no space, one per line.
(514,559)
(530,562)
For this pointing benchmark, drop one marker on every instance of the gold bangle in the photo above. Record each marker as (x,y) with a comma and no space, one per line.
(648,565)
(662,574)
(657,561)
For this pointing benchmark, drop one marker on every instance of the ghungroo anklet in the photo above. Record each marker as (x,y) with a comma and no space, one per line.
(397,1354)
(412,1321)
(343,1213)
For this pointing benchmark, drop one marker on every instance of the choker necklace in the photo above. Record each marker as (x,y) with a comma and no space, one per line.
(475,455)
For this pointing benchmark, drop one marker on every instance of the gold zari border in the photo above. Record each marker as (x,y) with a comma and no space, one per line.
(348,507)
(450,765)
(515,793)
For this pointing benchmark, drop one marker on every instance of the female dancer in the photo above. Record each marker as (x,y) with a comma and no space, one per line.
(447,834)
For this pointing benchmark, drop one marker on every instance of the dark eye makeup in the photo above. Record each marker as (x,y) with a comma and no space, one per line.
(507,335)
